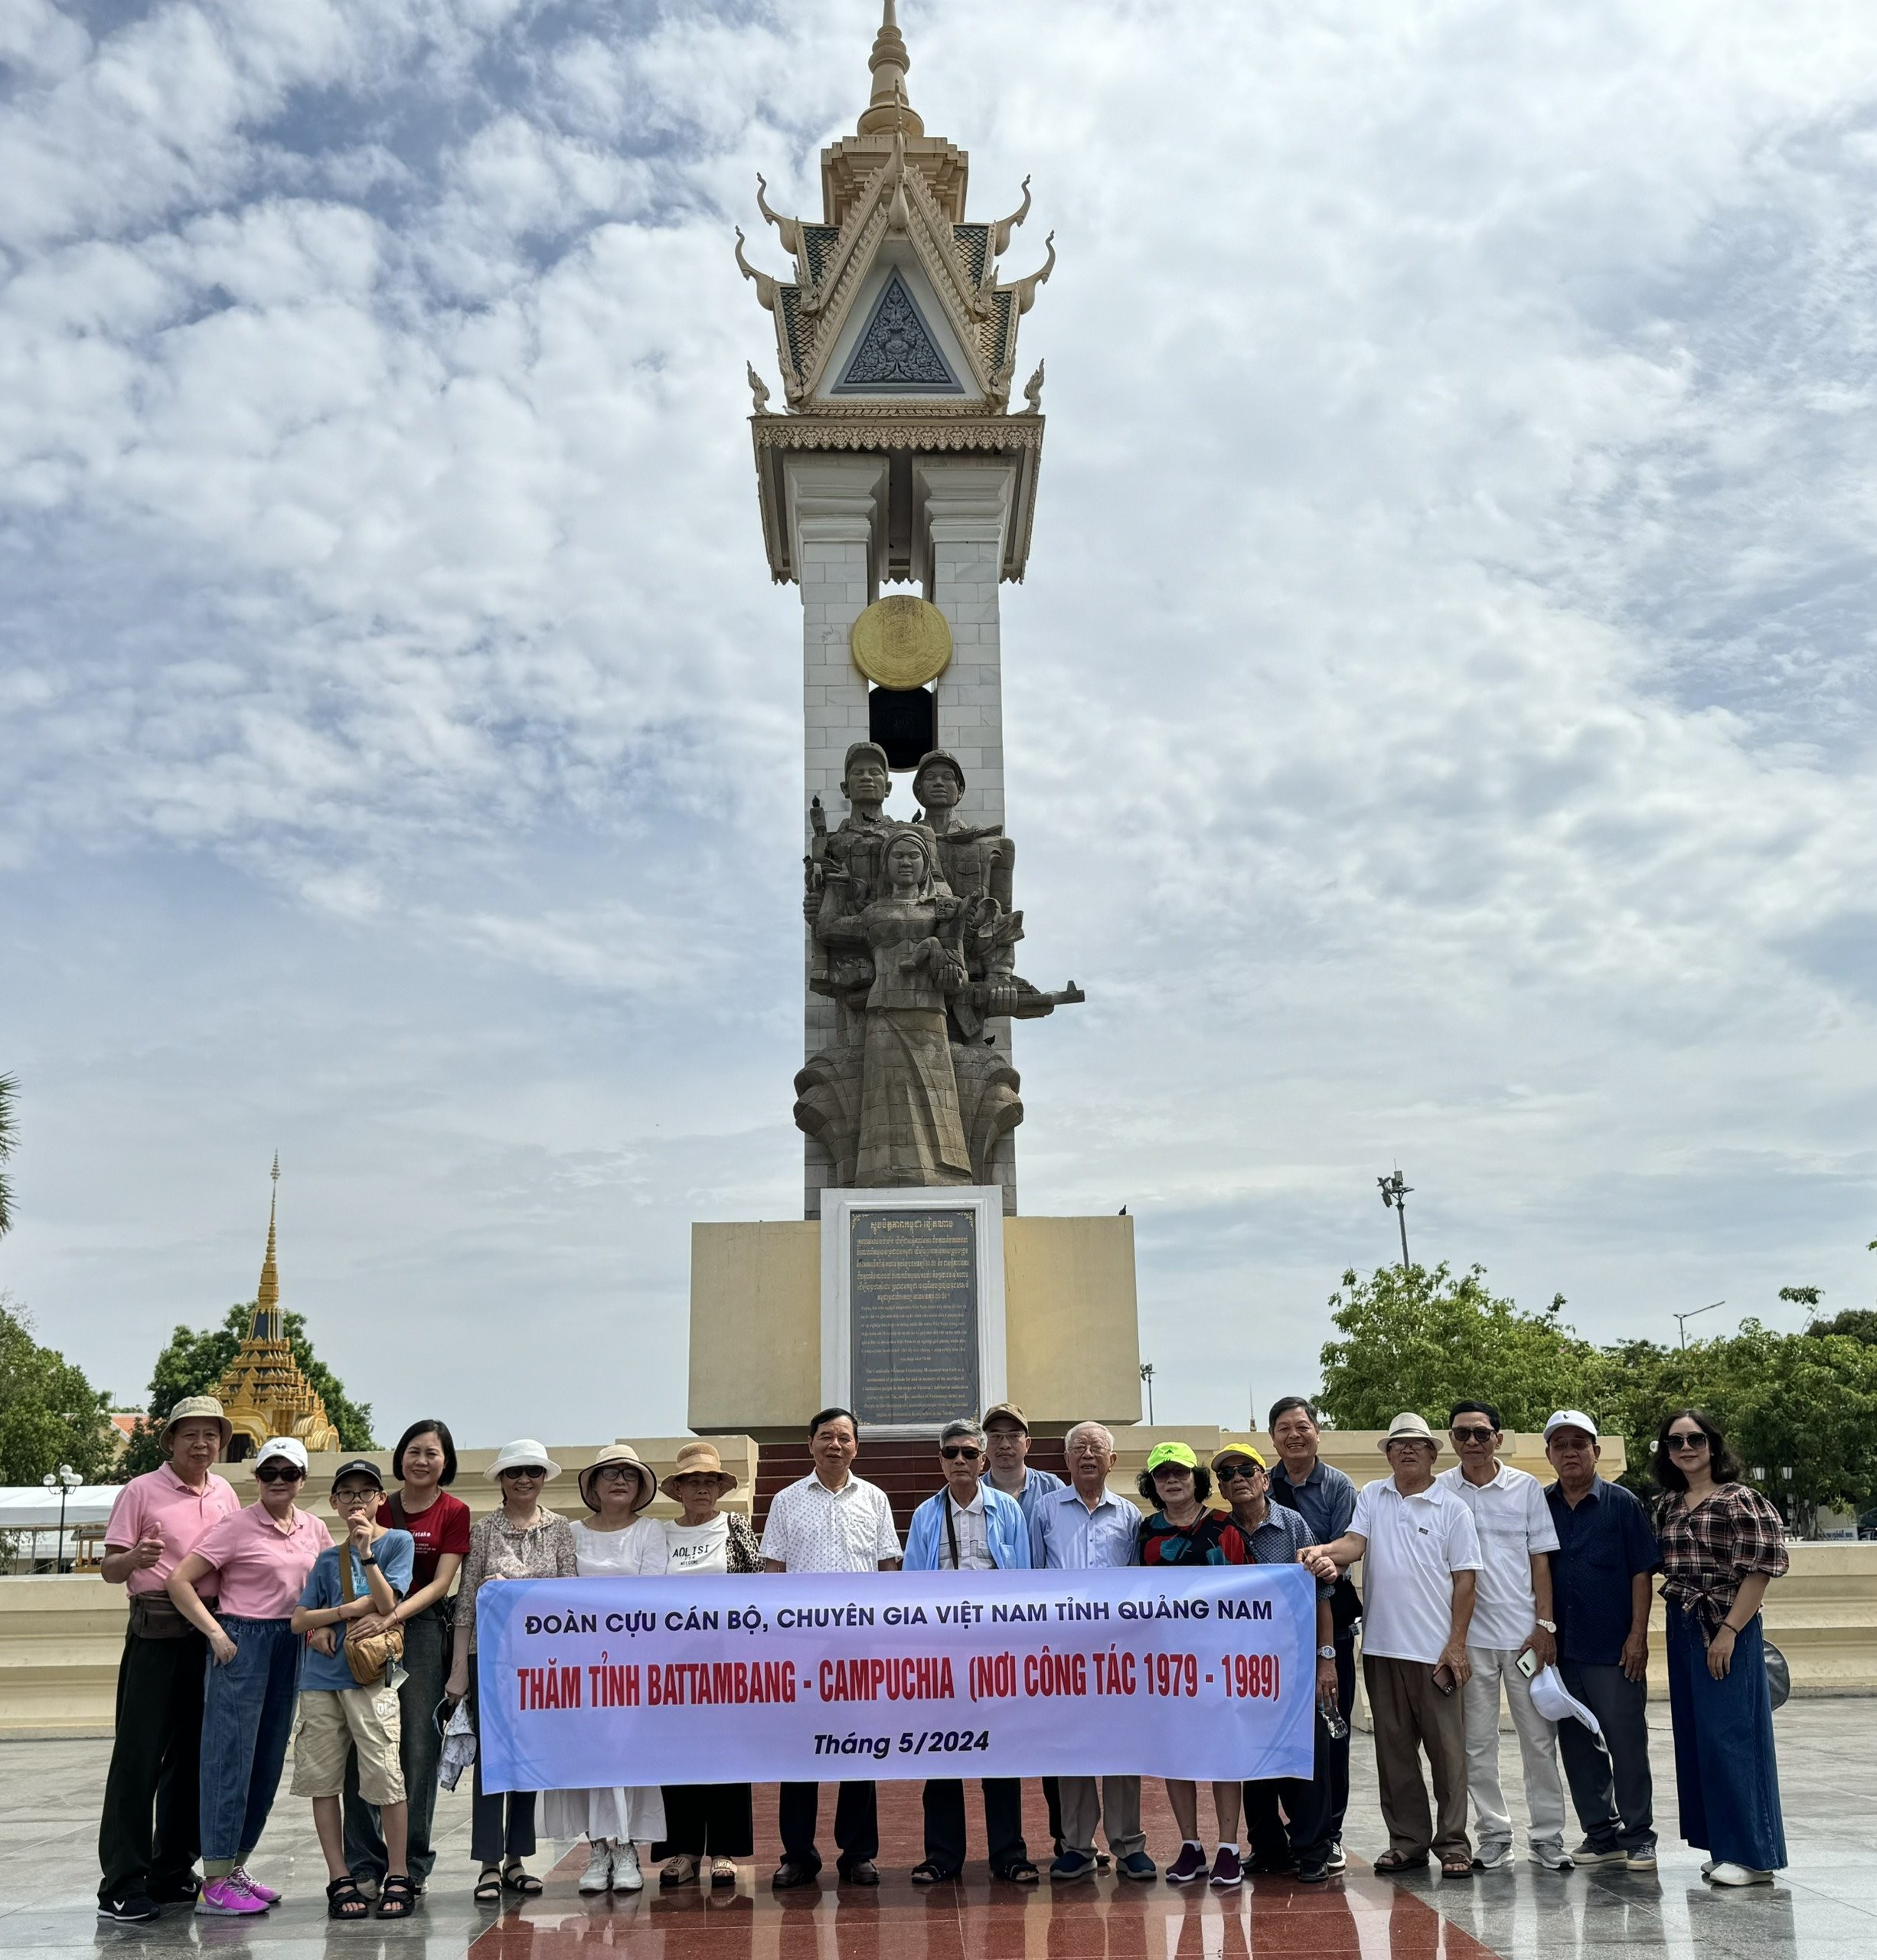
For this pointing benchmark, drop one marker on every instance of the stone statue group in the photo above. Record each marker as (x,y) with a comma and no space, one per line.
(914,939)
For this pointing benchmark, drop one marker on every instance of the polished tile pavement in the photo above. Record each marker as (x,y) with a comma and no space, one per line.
(1824,1907)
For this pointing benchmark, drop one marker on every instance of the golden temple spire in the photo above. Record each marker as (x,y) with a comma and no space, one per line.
(889,109)
(267,1326)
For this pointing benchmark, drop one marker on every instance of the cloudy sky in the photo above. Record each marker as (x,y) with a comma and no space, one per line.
(1439,713)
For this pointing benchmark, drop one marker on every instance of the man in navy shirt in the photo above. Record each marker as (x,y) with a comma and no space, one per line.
(1600,1593)
(1326,1500)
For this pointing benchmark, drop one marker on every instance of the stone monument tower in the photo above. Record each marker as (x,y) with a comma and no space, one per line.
(912,1291)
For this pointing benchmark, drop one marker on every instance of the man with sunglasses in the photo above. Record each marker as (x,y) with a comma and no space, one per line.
(1512,1616)
(969,1527)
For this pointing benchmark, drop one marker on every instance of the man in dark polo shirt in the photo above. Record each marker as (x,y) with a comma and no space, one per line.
(1600,1592)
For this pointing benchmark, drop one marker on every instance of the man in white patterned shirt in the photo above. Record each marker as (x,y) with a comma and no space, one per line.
(832,1521)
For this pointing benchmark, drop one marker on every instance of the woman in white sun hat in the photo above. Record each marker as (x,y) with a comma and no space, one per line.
(521,1540)
(617,1542)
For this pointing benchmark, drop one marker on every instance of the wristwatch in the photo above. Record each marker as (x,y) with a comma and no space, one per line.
(1326,1653)
(1550,1626)
(366,1559)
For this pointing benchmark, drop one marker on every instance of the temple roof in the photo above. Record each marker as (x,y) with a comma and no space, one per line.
(897,305)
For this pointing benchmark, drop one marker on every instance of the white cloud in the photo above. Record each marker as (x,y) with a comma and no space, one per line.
(1439,712)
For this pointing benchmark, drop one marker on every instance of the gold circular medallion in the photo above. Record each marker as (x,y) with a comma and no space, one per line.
(902,642)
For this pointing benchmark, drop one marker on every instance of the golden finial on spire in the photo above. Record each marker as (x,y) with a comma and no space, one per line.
(889,109)
(267,1324)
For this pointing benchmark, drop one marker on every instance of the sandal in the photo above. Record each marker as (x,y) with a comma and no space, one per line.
(523,1883)
(1456,1864)
(1399,1861)
(929,1873)
(1019,1871)
(344,1900)
(397,1897)
(723,1871)
(680,1868)
(489,1886)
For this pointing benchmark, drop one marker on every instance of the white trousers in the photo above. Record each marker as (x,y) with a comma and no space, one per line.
(1494,1667)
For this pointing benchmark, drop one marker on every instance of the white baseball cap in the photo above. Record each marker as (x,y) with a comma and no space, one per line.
(1571,1418)
(288,1447)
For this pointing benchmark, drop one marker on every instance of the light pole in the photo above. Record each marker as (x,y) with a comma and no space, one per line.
(1682,1320)
(1147,1375)
(65,1482)
(1395,1195)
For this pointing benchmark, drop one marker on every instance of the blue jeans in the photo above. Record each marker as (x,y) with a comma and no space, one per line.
(247,1718)
(1726,1780)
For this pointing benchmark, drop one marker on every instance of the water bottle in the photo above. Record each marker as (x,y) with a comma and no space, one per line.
(1334,1719)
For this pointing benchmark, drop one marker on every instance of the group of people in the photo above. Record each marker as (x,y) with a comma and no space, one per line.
(249,1627)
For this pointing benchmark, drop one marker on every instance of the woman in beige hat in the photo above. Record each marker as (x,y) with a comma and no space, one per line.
(615,1542)
(705,1820)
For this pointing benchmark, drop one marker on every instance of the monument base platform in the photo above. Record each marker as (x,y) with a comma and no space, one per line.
(1070,1344)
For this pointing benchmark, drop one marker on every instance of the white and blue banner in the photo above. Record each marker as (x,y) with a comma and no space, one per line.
(1203,1671)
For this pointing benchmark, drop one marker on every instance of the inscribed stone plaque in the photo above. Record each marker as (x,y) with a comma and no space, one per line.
(912,1293)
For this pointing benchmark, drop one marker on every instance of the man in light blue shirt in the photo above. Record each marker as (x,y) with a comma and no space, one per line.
(1076,1530)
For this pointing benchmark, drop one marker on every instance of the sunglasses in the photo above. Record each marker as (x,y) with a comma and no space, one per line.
(529,1475)
(286,1474)
(1694,1442)
(960,1453)
(1237,1473)
(1472,1435)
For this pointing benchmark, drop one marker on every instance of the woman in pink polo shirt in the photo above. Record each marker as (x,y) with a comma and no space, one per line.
(261,1557)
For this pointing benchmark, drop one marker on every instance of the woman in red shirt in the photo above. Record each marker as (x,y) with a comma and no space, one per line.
(423,1463)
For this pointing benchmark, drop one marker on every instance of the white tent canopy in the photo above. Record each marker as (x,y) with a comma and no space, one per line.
(25,1507)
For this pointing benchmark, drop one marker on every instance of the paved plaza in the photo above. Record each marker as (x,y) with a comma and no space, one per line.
(1823,1908)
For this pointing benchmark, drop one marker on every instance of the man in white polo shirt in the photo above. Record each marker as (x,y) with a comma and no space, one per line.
(1420,1557)
(830,1521)
(1511,1615)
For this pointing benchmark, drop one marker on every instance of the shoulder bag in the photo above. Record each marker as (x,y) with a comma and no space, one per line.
(370,1656)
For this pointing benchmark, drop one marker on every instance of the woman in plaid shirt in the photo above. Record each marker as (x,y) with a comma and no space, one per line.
(1722,1544)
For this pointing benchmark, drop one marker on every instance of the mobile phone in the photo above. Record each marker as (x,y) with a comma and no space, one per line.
(1527,1663)
(1444,1678)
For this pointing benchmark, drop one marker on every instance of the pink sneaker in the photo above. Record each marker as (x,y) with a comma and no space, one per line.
(223,1898)
(241,1875)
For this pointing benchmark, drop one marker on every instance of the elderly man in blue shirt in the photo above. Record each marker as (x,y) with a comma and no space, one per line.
(1077,1529)
(968,1526)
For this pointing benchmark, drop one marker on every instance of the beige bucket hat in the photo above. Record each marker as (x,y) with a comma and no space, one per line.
(1407,1427)
(617,1452)
(699,1459)
(203,1406)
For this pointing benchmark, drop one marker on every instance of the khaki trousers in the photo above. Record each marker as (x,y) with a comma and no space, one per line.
(1412,1715)
(1116,1802)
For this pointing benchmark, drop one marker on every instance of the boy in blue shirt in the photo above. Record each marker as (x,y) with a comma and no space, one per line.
(337,1713)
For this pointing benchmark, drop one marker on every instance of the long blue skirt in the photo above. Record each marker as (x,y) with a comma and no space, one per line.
(1726,1780)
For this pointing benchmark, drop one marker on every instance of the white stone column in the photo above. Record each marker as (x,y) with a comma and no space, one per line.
(962,510)
(837,507)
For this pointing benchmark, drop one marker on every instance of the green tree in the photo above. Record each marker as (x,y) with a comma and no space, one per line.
(1858,1323)
(1422,1339)
(9,1135)
(49,1414)
(193,1362)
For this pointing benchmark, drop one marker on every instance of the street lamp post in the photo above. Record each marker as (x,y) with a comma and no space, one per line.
(1147,1375)
(1395,1196)
(1682,1320)
(66,1481)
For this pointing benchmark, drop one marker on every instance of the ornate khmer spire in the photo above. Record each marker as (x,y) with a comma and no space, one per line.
(889,109)
(267,1323)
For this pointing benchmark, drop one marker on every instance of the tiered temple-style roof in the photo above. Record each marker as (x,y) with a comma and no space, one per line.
(264,1392)
(897,332)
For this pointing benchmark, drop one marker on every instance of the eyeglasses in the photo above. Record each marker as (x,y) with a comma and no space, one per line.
(956,1452)
(1472,1435)
(1691,1441)
(611,1473)
(286,1474)
(367,1495)
(1237,1473)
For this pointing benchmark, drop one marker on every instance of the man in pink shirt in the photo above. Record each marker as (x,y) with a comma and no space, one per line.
(148,1836)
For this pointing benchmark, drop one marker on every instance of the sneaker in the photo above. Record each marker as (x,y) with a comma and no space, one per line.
(598,1875)
(1071,1865)
(1733,1874)
(1191,1865)
(1551,1857)
(1314,1871)
(1227,1872)
(1493,1857)
(183,1891)
(242,1876)
(1338,1859)
(223,1898)
(626,1875)
(1138,1865)
(1588,1854)
(133,1909)
(1642,1859)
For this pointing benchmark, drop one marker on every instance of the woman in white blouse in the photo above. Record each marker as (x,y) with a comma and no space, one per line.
(615,1542)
